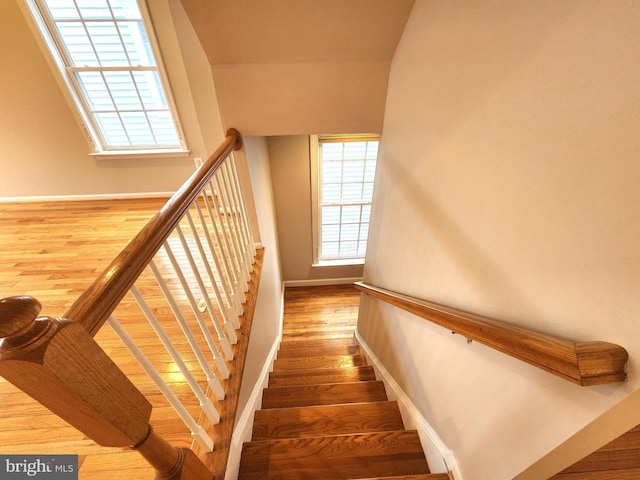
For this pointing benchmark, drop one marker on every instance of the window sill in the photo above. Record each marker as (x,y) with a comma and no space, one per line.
(133,154)
(346,262)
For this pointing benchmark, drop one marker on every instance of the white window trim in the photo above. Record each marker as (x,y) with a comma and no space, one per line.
(79,107)
(315,208)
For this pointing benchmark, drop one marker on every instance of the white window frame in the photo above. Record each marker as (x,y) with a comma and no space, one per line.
(74,91)
(317,203)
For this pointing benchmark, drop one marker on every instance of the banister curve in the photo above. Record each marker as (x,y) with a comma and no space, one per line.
(583,363)
(93,307)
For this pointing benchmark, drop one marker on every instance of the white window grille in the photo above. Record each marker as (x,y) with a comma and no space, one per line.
(107,55)
(345,171)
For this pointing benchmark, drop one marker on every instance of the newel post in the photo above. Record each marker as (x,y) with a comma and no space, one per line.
(58,363)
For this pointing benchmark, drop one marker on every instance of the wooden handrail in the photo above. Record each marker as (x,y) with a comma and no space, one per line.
(93,307)
(583,363)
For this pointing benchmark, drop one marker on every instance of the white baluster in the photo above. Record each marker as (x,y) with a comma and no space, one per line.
(206,405)
(226,286)
(197,432)
(236,193)
(221,366)
(245,219)
(222,338)
(224,312)
(224,196)
(212,380)
(228,258)
(235,216)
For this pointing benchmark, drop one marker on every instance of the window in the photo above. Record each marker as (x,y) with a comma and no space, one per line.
(345,167)
(108,60)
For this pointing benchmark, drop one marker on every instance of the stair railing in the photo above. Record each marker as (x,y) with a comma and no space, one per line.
(583,363)
(199,250)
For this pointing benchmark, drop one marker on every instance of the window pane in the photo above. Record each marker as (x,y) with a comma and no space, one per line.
(163,128)
(78,45)
(349,232)
(331,193)
(331,151)
(330,215)
(353,171)
(330,249)
(63,9)
(354,150)
(123,90)
(348,249)
(137,127)
(330,233)
(96,91)
(351,214)
(107,44)
(352,192)
(112,129)
(94,9)
(332,172)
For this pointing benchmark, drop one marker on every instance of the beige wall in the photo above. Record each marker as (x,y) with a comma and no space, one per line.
(291,174)
(303,98)
(268,313)
(508,186)
(42,149)
(296,67)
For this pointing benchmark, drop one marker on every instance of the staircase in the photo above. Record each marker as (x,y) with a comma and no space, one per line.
(324,415)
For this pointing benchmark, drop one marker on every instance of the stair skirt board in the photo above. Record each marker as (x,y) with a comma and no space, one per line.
(244,425)
(440,458)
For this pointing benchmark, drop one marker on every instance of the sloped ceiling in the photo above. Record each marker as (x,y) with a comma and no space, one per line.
(286,67)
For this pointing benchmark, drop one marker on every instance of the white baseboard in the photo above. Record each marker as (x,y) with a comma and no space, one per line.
(321,282)
(79,198)
(440,458)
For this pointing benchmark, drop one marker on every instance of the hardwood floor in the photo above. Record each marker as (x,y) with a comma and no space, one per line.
(52,251)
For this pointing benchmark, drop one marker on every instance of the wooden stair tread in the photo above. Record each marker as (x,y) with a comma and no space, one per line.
(325,361)
(325,375)
(301,342)
(293,352)
(326,420)
(335,457)
(323,394)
